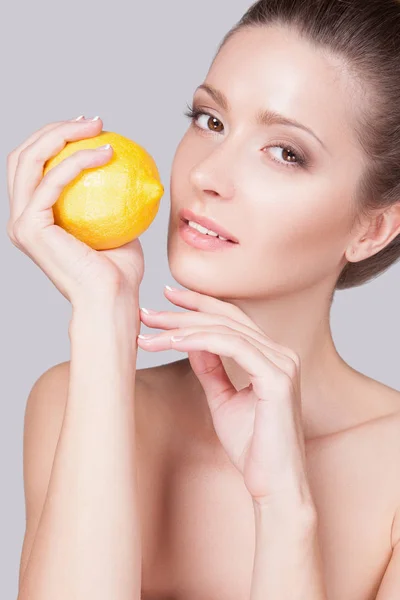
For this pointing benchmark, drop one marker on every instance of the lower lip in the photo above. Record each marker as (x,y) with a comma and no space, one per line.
(202,240)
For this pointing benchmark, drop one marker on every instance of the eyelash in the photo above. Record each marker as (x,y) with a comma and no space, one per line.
(302,162)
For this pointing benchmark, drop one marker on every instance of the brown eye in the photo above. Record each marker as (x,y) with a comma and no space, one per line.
(292,158)
(213,122)
(288,155)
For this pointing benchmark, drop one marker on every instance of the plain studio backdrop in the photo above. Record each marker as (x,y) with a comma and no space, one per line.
(135,64)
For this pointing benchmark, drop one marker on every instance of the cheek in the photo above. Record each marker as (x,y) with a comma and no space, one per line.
(307,230)
(307,219)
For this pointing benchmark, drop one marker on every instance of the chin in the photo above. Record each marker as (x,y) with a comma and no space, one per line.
(200,279)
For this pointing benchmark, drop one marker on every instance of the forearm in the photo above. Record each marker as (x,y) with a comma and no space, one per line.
(88,540)
(287,562)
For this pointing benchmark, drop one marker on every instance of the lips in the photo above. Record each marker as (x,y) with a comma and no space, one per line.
(187,215)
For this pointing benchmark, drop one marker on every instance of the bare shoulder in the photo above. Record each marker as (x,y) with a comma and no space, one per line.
(385,435)
(47,397)
(49,393)
(381,404)
(52,386)
(371,412)
(46,403)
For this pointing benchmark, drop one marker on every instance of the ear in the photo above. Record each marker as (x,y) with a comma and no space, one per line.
(382,229)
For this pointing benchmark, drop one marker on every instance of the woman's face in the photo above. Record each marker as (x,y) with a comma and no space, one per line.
(292,220)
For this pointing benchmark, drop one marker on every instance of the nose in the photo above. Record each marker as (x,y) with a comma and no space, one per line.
(212,176)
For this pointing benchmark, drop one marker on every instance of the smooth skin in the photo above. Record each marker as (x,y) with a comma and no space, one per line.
(83,528)
(293,227)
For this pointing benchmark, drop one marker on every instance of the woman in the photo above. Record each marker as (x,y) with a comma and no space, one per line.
(266,466)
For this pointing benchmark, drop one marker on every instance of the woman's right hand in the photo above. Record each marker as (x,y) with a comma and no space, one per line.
(79,272)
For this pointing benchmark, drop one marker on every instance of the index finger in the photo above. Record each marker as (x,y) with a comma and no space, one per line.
(12,159)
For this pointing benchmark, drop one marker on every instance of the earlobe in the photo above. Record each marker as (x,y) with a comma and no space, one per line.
(357,247)
(351,255)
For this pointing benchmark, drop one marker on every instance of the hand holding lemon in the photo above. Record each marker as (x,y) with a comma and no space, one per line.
(69,199)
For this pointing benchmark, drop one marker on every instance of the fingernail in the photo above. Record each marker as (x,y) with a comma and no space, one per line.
(171,289)
(79,118)
(106,147)
(92,118)
(148,311)
(145,337)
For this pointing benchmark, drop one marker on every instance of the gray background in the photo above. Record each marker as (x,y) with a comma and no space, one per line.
(135,64)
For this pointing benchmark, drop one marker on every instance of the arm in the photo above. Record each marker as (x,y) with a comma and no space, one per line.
(44,414)
(87,543)
(287,563)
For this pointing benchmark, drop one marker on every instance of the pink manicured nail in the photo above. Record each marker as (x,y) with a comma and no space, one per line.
(171,289)
(149,311)
(177,338)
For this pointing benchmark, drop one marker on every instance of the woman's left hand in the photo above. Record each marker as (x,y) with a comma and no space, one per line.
(259,426)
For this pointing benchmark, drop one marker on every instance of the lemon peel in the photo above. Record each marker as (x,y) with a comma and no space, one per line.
(112,204)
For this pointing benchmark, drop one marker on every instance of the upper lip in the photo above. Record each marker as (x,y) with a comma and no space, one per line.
(188,215)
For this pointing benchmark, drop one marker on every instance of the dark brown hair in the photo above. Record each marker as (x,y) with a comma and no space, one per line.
(365,36)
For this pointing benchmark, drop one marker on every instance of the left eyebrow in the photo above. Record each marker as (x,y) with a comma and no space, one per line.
(263,117)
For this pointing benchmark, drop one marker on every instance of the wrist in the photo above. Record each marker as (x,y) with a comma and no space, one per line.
(299,519)
(119,314)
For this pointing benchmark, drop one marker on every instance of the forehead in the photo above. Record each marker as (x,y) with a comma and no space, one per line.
(274,68)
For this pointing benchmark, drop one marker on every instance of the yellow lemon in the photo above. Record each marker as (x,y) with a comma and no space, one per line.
(112,204)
